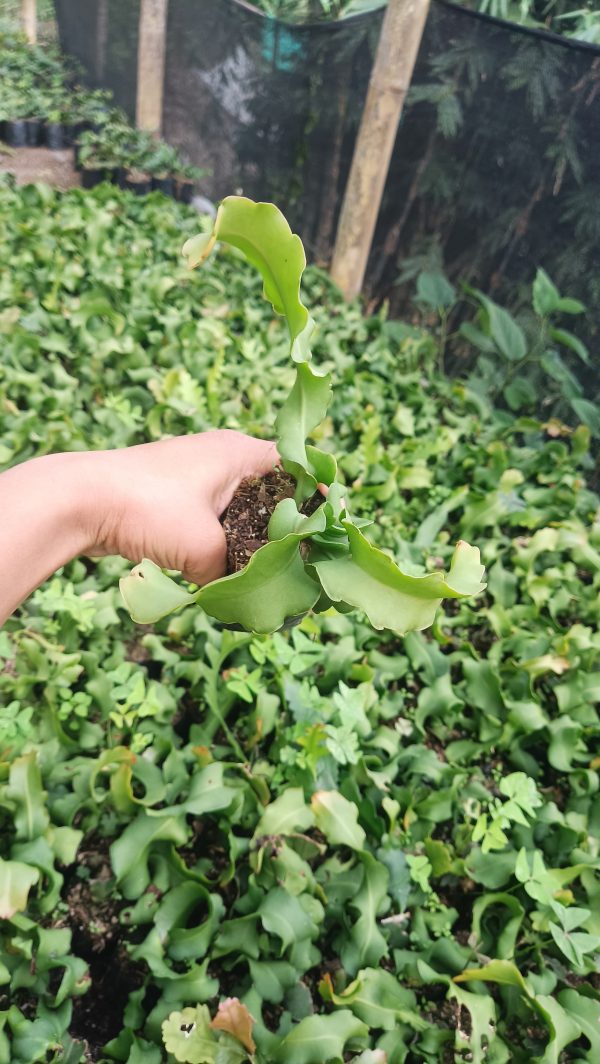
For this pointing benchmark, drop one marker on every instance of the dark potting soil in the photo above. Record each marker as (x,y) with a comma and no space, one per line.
(246,519)
(99,938)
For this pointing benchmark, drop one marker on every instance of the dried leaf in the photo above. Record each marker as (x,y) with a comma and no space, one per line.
(234,1018)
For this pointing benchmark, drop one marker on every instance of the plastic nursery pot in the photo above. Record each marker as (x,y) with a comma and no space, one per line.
(33,132)
(91,177)
(184,191)
(141,184)
(166,185)
(15,133)
(57,136)
(78,128)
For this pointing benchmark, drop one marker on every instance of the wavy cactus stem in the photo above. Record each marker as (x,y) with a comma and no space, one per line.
(309,562)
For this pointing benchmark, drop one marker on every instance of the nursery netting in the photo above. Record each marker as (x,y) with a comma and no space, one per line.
(496,167)
(272,109)
(103,36)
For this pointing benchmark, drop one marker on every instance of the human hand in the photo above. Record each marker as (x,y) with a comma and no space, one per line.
(163,500)
(160,501)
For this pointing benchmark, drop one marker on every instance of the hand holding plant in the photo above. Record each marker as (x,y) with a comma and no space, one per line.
(157,500)
(316,555)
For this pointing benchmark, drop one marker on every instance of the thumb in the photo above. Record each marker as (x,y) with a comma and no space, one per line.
(207,558)
(258,457)
(242,457)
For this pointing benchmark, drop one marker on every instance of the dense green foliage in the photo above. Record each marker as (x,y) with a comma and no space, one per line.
(573,18)
(315,10)
(40,82)
(385,848)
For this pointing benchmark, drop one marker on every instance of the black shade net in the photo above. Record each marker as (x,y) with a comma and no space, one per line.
(103,36)
(496,168)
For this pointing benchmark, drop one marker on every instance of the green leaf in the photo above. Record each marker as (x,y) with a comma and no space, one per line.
(477,338)
(16,880)
(208,792)
(64,842)
(239,936)
(26,791)
(501,942)
(371,1056)
(563,1028)
(483,687)
(588,414)
(129,853)
(302,411)
(432,525)
(585,1012)
(287,519)
(520,394)
(288,813)
(564,743)
(229,1051)
(32,1039)
(319,1039)
(371,581)
(574,944)
(272,978)
(521,789)
(567,305)
(435,290)
(503,972)
(567,339)
(273,587)
(366,944)
(380,1001)
(150,594)
(337,818)
(187,1035)
(37,852)
(503,329)
(546,296)
(483,1023)
(283,915)
(261,232)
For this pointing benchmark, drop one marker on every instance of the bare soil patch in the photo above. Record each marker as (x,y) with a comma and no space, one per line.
(40,164)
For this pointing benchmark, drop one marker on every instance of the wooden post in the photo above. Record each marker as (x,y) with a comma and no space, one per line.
(29,19)
(391,76)
(151,64)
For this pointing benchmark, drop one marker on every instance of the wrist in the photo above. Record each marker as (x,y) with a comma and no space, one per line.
(47,520)
(61,487)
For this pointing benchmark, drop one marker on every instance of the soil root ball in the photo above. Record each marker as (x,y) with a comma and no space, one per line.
(246,519)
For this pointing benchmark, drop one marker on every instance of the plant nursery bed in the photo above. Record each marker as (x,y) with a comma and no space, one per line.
(29,165)
(327,843)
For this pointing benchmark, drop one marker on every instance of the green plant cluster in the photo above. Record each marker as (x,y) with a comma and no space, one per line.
(322,845)
(39,82)
(579,19)
(309,562)
(572,18)
(530,362)
(315,10)
(113,145)
(34,81)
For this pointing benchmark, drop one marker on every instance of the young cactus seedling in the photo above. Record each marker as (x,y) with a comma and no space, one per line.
(311,560)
